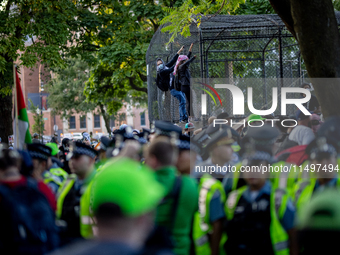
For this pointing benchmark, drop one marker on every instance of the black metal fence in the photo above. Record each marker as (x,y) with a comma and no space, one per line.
(232,48)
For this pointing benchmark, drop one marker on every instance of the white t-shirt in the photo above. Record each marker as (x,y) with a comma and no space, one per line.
(302,135)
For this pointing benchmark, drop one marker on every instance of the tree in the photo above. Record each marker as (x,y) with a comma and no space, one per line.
(38,126)
(311,22)
(31,31)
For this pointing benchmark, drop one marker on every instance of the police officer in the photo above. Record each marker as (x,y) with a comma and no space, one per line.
(323,159)
(125,195)
(175,213)
(218,145)
(259,217)
(39,154)
(73,198)
(54,176)
(209,219)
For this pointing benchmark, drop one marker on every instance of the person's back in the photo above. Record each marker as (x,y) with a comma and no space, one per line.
(176,211)
(302,135)
(27,219)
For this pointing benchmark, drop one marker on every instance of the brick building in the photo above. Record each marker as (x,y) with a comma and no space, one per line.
(128,114)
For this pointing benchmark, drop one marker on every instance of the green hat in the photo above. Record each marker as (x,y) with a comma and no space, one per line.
(254,117)
(54,148)
(128,184)
(323,212)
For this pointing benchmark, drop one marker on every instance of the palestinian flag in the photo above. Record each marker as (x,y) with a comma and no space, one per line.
(23,124)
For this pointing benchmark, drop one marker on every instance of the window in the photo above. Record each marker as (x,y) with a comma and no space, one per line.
(142,119)
(83,122)
(96,121)
(72,122)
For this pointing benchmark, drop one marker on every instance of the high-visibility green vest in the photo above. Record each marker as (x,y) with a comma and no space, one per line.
(278,205)
(201,225)
(86,221)
(50,176)
(304,191)
(277,179)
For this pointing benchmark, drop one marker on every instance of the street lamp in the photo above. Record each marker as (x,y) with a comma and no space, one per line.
(41,112)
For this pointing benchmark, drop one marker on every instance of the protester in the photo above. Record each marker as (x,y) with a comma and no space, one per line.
(315,122)
(36,138)
(183,72)
(175,213)
(302,134)
(27,219)
(313,104)
(166,78)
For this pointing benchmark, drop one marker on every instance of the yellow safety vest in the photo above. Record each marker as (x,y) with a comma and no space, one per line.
(201,225)
(278,205)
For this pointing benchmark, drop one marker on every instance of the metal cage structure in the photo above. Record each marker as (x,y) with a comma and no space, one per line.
(231,48)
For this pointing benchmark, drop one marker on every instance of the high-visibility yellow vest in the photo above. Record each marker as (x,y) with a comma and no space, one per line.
(304,191)
(278,235)
(201,225)
(86,221)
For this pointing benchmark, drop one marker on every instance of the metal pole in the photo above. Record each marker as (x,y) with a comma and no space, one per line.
(281,67)
(264,80)
(42,140)
(16,108)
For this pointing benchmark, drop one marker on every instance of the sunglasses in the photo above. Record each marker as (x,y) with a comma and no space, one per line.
(315,122)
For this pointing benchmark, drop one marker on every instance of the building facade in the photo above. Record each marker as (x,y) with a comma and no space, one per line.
(31,80)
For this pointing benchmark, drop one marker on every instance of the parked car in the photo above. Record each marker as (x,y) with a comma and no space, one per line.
(66,135)
(77,136)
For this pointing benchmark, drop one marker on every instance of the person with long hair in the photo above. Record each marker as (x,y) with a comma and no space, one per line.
(183,72)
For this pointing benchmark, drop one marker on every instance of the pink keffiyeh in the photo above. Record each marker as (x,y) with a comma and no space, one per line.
(180,58)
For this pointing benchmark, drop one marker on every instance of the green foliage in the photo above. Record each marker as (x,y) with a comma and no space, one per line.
(336,4)
(65,90)
(254,7)
(190,12)
(38,126)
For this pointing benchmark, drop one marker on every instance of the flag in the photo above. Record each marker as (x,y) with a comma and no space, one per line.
(23,124)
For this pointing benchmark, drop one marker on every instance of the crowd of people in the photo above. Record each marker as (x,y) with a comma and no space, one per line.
(154,191)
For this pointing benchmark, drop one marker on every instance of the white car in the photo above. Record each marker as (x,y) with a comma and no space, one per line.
(67,135)
(77,136)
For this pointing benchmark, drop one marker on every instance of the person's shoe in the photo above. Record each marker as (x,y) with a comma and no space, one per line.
(183,121)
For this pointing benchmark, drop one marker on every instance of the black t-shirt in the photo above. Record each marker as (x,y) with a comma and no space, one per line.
(312,104)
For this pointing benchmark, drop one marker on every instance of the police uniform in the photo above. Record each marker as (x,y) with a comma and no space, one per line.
(211,198)
(257,222)
(317,149)
(73,200)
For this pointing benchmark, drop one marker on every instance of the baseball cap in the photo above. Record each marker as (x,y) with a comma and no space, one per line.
(300,115)
(128,184)
(54,148)
(322,213)
(254,117)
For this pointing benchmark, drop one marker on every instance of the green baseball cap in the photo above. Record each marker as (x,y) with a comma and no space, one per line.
(128,184)
(54,148)
(323,212)
(254,117)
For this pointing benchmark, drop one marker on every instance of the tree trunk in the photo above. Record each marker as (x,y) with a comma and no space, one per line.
(6,122)
(106,118)
(316,30)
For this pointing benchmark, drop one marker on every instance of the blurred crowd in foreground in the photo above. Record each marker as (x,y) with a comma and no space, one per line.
(139,192)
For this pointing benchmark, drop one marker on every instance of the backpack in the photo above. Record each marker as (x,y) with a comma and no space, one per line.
(177,83)
(296,155)
(27,221)
(161,84)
